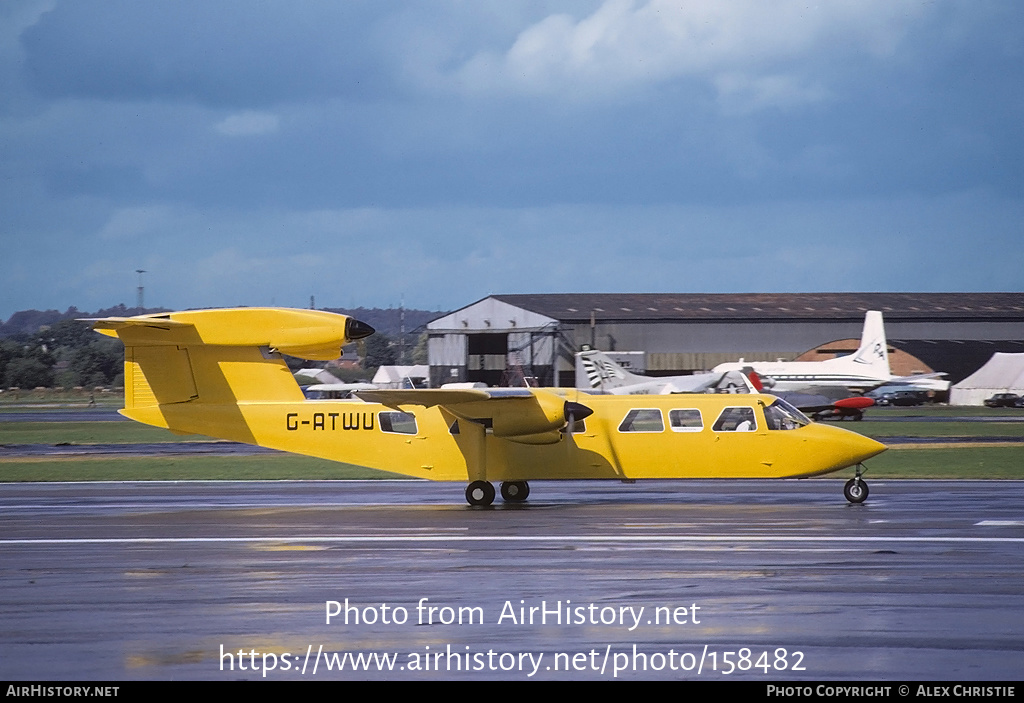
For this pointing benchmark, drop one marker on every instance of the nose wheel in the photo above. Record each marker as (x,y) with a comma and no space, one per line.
(856,489)
(480,493)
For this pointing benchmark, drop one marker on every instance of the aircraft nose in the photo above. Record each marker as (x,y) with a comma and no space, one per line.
(855,448)
(354,329)
(864,448)
(841,448)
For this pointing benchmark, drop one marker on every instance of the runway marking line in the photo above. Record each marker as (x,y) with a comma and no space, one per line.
(505,538)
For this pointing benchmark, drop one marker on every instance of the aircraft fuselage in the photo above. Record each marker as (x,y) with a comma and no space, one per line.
(797,375)
(626,437)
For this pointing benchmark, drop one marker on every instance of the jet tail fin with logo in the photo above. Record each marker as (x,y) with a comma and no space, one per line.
(597,371)
(874,349)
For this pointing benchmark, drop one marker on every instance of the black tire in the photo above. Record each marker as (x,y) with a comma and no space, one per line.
(514,491)
(856,490)
(480,493)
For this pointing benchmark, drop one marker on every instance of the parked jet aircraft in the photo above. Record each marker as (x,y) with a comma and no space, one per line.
(220,373)
(598,372)
(863,370)
(340,391)
(335,391)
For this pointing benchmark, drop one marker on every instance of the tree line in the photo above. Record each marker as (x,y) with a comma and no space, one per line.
(67,353)
(52,349)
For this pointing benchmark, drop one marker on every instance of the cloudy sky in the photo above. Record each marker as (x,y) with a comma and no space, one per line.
(255,152)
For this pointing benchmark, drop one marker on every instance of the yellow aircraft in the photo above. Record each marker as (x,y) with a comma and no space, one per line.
(221,373)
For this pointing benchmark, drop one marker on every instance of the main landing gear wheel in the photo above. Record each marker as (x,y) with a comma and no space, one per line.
(856,490)
(514,491)
(480,493)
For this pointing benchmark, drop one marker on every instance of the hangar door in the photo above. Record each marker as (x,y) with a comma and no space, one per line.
(487,357)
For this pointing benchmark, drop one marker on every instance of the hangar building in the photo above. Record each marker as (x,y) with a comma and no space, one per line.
(502,338)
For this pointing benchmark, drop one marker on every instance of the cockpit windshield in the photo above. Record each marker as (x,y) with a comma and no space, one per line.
(780,415)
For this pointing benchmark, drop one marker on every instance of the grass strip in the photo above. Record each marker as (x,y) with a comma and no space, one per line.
(192,468)
(944,411)
(974,462)
(88,433)
(879,430)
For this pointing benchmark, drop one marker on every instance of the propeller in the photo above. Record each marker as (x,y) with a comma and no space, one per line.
(573,412)
(354,329)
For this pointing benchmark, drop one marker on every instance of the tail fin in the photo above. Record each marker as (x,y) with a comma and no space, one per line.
(874,350)
(597,370)
(189,371)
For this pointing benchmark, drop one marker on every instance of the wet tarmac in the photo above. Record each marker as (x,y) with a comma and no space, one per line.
(711,580)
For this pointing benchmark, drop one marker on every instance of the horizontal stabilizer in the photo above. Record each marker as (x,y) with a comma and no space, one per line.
(191,371)
(307,334)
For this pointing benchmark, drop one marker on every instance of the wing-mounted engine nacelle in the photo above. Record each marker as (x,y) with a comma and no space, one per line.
(537,418)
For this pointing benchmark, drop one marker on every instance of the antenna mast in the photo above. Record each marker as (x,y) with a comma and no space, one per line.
(140,290)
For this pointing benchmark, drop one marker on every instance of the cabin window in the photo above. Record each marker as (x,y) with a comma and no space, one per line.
(736,419)
(397,422)
(643,420)
(685,420)
(780,415)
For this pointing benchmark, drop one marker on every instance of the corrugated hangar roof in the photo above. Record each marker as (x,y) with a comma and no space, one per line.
(577,307)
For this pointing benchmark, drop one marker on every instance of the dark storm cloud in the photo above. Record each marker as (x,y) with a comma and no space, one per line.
(234,53)
(244,152)
(377,105)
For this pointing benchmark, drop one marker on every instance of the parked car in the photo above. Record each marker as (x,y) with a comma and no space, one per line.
(903,398)
(1003,400)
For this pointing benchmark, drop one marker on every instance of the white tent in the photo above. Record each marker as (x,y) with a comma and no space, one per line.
(395,376)
(1004,373)
(318,375)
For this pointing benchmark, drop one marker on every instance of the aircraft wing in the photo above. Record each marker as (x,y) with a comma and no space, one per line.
(806,402)
(826,402)
(341,387)
(928,381)
(427,397)
(744,381)
(525,415)
(697,383)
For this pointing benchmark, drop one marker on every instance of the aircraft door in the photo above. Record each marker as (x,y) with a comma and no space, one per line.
(741,444)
